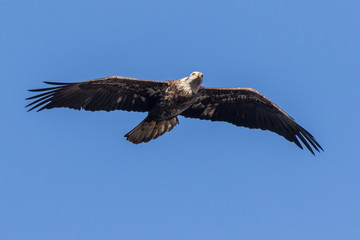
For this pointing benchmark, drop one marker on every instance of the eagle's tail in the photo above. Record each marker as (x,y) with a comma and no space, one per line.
(148,130)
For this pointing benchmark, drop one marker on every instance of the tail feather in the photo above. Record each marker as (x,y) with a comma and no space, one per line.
(148,130)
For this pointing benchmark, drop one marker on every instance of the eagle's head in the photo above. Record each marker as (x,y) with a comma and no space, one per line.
(195,80)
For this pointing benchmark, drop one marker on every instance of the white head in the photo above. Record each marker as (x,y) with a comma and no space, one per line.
(194,80)
(191,84)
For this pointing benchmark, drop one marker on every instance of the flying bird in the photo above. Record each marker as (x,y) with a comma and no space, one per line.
(165,100)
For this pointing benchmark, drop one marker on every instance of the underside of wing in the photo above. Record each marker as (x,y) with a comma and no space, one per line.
(248,108)
(111,93)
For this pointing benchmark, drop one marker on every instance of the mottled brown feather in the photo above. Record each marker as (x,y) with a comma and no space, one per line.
(108,94)
(248,108)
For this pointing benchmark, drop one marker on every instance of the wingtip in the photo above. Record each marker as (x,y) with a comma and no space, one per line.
(312,152)
(32,90)
(55,83)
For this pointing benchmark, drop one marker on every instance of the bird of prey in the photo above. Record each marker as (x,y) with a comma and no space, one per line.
(165,100)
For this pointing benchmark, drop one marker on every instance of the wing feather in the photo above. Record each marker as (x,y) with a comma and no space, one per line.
(108,94)
(248,108)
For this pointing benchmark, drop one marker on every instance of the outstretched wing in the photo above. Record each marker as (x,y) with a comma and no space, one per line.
(111,93)
(248,108)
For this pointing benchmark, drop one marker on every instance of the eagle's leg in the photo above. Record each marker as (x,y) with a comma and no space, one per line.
(150,129)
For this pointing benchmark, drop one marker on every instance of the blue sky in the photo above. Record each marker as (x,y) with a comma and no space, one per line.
(66,174)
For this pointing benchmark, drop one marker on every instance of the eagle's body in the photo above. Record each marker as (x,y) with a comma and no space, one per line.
(165,100)
(178,97)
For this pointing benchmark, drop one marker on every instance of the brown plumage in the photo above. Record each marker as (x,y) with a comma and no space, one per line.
(150,129)
(165,100)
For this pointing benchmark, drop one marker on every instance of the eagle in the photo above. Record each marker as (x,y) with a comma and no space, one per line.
(166,100)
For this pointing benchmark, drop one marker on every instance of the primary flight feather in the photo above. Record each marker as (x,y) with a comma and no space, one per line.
(165,100)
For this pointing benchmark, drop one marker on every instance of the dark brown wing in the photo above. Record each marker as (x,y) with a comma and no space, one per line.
(248,108)
(111,93)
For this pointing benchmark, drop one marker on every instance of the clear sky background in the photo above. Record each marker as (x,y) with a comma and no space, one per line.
(66,174)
